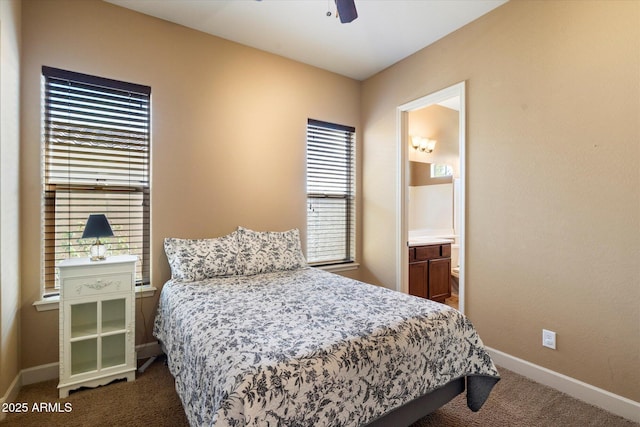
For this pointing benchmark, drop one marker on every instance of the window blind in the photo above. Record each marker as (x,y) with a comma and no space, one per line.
(96,142)
(330,193)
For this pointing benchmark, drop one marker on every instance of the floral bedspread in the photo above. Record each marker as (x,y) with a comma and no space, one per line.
(309,348)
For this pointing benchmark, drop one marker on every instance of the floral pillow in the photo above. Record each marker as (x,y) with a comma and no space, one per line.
(267,251)
(199,259)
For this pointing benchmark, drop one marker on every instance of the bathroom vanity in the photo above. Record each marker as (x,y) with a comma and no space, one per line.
(430,269)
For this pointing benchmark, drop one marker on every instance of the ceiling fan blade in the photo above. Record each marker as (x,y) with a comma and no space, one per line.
(346,10)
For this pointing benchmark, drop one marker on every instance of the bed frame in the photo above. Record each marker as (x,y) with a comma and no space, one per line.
(420,407)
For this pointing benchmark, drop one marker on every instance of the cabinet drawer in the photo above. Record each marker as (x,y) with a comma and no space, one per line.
(425,253)
(445,251)
(74,287)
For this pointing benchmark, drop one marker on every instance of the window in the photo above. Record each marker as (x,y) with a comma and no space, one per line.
(330,193)
(96,141)
(441,170)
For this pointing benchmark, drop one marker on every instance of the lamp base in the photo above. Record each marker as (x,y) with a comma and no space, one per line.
(98,252)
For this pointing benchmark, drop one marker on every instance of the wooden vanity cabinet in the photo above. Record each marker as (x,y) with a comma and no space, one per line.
(430,271)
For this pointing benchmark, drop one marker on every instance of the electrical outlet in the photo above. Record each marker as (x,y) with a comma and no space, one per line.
(549,339)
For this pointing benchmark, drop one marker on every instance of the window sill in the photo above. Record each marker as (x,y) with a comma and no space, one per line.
(51,303)
(338,267)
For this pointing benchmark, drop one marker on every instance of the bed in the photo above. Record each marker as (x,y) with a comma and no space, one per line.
(255,337)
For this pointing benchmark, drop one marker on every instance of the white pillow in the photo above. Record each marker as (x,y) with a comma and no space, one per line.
(267,251)
(199,259)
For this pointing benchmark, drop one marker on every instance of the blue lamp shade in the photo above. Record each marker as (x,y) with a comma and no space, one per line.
(97,226)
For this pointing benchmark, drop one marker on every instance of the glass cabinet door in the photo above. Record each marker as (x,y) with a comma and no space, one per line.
(84,356)
(114,332)
(84,329)
(114,315)
(98,335)
(113,350)
(84,319)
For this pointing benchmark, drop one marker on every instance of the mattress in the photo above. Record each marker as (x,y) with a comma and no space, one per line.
(310,348)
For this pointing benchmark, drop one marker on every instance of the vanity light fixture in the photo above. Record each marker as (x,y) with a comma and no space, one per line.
(424,145)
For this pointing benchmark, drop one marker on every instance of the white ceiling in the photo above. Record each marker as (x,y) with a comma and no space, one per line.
(385,31)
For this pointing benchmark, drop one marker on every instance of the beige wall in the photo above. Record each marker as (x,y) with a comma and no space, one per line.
(228,137)
(553,188)
(9,193)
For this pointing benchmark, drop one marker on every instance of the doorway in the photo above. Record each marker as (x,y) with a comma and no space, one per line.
(452,98)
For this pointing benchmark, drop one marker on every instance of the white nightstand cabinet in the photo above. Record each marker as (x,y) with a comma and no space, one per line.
(97,322)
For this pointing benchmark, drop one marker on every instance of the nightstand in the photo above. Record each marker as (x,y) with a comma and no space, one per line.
(97,321)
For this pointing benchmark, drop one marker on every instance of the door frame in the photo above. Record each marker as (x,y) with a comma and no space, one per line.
(402,228)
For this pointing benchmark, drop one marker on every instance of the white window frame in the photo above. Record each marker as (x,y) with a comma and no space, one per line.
(331,194)
(96,155)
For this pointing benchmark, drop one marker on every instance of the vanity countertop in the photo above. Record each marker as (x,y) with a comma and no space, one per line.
(427,240)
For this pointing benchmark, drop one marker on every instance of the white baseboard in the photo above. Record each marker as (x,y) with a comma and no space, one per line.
(601,398)
(37,374)
(150,349)
(50,371)
(11,394)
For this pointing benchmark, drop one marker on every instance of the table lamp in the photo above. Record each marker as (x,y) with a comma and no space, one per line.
(97,226)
